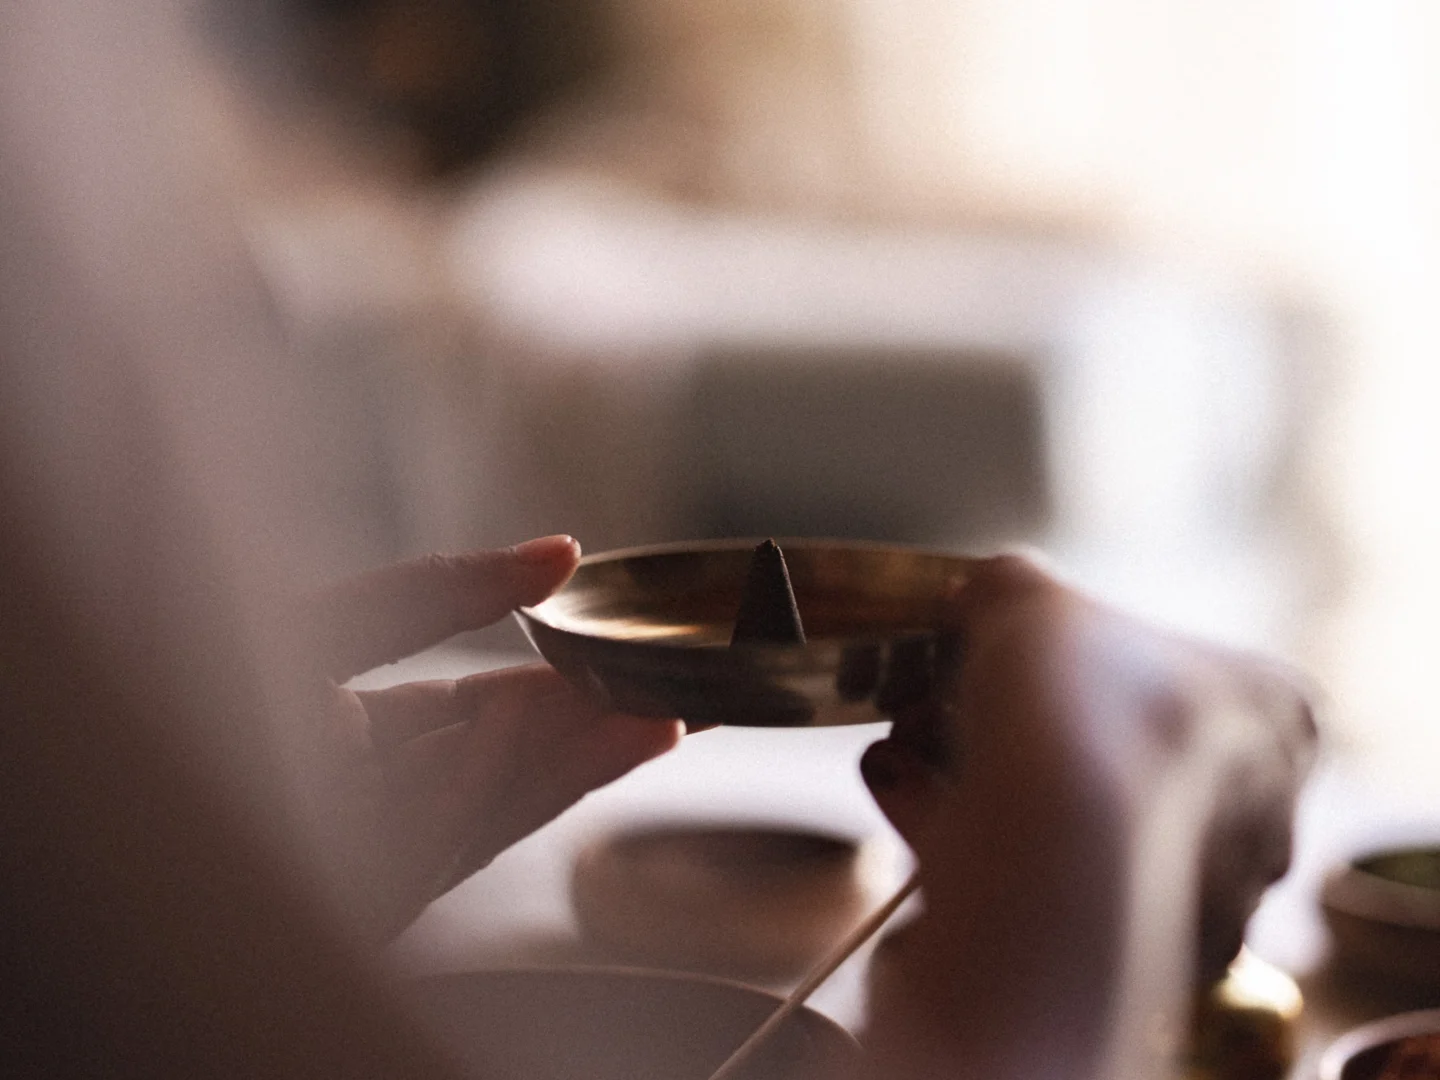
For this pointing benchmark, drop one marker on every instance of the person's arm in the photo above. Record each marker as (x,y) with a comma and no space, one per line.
(1096,807)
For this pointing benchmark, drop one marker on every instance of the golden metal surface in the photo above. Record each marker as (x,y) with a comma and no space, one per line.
(650,627)
(1244,1026)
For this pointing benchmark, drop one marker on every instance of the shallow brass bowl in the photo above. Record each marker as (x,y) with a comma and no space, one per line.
(649,628)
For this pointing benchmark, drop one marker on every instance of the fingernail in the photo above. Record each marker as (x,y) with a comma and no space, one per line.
(546,549)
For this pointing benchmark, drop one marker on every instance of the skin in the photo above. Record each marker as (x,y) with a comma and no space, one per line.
(1096,807)
(160,918)
(449,773)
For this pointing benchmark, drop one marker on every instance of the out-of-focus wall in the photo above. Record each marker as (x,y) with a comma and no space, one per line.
(1297,143)
(1285,150)
(708,369)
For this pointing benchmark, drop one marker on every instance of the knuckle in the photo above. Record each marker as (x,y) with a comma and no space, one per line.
(1012,569)
(1000,579)
(438,565)
(1173,719)
(1306,725)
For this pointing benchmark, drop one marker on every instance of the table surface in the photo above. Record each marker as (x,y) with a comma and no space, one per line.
(517,912)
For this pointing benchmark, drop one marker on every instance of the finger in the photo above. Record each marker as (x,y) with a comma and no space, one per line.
(529,713)
(1280,693)
(419,768)
(608,748)
(390,613)
(493,757)
(1002,579)
(494,812)
(901,784)
(401,713)
(992,588)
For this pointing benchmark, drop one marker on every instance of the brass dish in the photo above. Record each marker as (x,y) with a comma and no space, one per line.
(650,629)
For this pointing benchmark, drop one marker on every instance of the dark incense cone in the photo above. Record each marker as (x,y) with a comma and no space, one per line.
(767,610)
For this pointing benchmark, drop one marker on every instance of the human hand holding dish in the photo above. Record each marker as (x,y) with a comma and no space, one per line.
(1096,807)
(435,779)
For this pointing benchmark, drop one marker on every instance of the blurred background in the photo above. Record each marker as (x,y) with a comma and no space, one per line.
(1145,284)
(1148,285)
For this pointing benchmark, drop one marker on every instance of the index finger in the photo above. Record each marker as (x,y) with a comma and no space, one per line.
(387,614)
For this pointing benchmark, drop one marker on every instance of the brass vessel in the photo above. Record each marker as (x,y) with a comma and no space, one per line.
(650,629)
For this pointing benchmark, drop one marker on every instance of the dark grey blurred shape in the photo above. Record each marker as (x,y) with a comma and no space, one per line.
(767,606)
(456,77)
(616,1024)
(906,446)
(748,901)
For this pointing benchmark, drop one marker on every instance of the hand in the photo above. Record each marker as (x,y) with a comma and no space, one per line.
(1096,807)
(437,778)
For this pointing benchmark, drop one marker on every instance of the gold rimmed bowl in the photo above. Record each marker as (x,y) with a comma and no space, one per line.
(649,629)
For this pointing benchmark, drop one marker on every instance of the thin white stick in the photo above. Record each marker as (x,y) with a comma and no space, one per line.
(818,974)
